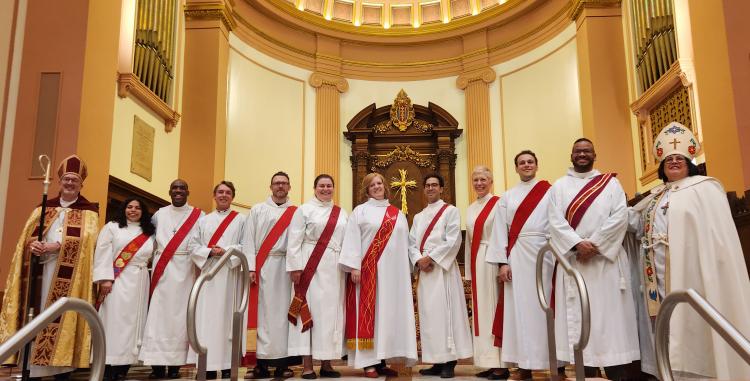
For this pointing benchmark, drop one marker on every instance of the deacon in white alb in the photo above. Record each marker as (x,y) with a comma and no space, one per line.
(217,233)
(379,308)
(588,218)
(520,231)
(434,242)
(123,250)
(165,341)
(315,236)
(480,217)
(265,243)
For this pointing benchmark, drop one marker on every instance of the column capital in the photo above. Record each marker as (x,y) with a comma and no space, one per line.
(579,5)
(318,79)
(210,10)
(486,75)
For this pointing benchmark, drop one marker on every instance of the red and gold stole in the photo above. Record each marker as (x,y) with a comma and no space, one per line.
(299,303)
(360,328)
(527,206)
(121,261)
(476,239)
(265,248)
(171,248)
(651,292)
(578,207)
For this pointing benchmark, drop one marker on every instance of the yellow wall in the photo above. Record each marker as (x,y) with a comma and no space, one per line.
(534,104)
(270,125)
(539,108)
(166,148)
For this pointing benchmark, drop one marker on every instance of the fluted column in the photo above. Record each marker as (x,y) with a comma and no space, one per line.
(476,86)
(328,89)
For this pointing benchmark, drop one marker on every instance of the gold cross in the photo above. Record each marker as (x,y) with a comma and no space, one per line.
(403,185)
(674,143)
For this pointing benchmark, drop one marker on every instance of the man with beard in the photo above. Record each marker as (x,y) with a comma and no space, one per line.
(587,220)
(66,255)
(434,241)
(265,243)
(165,341)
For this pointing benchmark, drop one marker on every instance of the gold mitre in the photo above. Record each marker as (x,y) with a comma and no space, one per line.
(74,165)
(676,138)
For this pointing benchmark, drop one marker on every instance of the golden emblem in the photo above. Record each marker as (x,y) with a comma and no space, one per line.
(126,255)
(119,263)
(402,111)
(402,185)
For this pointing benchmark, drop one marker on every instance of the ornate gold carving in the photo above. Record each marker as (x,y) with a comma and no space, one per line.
(402,111)
(402,186)
(128,84)
(318,79)
(423,126)
(215,10)
(403,153)
(382,127)
(579,5)
(675,108)
(486,75)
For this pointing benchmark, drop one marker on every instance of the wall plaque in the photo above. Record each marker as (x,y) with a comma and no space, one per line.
(142,154)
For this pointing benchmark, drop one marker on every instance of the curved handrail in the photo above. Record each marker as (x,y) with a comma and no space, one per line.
(62,305)
(708,312)
(583,340)
(237,314)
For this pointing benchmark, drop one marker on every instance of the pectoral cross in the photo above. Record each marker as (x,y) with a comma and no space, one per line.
(674,143)
(402,186)
(664,209)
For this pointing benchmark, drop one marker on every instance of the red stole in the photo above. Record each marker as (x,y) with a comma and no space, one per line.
(221,229)
(431,226)
(126,254)
(265,248)
(476,239)
(527,206)
(360,330)
(578,207)
(299,303)
(171,248)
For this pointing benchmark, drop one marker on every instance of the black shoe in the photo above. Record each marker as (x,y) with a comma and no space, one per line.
(309,376)
(501,376)
(282,373)
(157,372)
(329,373)
(173,372)
(226,373)
(434,370)
(447,371)
(258,373)
(484,373)
(211,375)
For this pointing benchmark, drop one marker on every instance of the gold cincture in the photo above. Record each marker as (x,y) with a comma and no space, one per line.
(402,185)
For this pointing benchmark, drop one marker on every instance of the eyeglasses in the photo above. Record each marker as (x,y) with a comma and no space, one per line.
(279,183)
(432,185)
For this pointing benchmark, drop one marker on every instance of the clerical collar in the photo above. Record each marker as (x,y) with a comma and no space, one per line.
(273,203)
(180,208)
(66,204)
(319,202)
(530,182)
(374,202)
(582,175)
(225,211)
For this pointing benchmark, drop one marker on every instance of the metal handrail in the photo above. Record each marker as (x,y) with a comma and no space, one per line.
(583,340)
(62,305)
(237,315)
(711,315)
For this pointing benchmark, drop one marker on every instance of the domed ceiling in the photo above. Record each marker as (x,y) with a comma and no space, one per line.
(398,39)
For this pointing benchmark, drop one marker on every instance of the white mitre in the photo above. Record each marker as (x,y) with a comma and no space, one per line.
(676,138)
